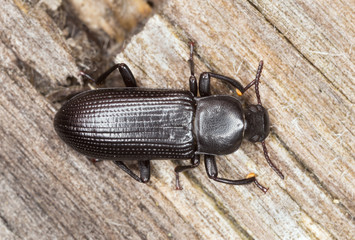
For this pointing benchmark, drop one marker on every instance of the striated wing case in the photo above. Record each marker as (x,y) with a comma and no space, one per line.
(129,124)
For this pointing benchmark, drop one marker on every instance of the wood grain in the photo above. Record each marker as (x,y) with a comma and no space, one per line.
(50,191)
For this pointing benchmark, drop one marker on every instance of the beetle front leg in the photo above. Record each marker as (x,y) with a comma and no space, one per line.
(212,172)
(205,83)
(195,161)
(144,168)
(126,74)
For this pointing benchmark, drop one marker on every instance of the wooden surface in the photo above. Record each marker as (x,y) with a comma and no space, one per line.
(49,191)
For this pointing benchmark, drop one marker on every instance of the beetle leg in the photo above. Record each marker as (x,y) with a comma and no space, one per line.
(126,74)
(195,161)
(191,59)
(205,86)
(94,160)
(144,167)
(192,80)
(212,172)
(193,85)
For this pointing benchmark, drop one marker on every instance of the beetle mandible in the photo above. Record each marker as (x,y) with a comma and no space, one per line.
(131,123)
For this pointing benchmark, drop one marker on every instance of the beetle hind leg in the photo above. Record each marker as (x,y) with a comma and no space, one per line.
(126,74)
(144,168)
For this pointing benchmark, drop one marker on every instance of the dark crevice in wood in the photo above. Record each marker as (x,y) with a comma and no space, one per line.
(91,48)
(99,49)
(37,80)
(7,224)
(34,77)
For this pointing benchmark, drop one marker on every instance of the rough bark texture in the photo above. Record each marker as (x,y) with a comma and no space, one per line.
(48,191)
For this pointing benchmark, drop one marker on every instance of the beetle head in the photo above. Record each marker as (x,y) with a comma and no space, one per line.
(257,123)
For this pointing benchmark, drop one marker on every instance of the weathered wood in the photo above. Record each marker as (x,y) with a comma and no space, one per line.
(35,42)
(116,18)
(49,191)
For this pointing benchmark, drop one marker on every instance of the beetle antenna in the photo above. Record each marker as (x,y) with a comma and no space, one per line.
(266,154)
(257,81)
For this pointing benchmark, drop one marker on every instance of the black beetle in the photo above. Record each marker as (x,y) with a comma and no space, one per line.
(124,124)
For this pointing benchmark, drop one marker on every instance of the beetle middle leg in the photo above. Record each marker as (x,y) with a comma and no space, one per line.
(212,172)
(205,79)
(195,161)
(144,168)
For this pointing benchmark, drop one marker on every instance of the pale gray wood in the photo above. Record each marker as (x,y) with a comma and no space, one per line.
(49,191)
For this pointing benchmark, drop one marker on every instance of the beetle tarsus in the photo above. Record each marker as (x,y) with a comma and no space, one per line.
(177,181)
(261,187)
(94,160)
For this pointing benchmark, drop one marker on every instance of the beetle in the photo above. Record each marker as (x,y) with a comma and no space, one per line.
(131,123)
